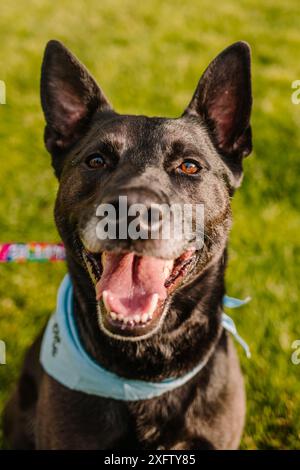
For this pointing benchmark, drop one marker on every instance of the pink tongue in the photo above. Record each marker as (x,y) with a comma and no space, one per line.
(132,284)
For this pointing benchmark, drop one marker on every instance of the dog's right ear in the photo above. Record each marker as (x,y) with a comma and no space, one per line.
(223,101)
(69,96)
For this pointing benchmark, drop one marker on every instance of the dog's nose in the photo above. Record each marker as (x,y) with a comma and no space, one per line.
(142,209)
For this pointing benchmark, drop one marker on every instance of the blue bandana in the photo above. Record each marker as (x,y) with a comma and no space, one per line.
(63,357)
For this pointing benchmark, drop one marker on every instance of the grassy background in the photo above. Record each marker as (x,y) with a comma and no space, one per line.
(148,57)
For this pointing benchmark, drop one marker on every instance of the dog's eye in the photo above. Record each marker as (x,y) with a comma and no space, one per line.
(189,167)
(95,161)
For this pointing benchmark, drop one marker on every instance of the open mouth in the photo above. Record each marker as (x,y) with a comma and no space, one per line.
(133,291)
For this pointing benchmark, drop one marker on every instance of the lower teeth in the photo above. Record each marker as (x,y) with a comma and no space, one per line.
(131,321)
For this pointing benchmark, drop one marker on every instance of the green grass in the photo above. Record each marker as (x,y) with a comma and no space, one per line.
(148,57)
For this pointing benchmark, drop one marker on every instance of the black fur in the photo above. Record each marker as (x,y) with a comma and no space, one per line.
(208,411)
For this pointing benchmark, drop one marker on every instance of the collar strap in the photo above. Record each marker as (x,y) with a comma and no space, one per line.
(64,358)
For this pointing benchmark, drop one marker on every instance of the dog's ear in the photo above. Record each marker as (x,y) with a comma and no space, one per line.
(223,100)
(69,95)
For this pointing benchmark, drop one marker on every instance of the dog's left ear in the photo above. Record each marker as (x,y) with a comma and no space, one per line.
(223,100)
(70,97)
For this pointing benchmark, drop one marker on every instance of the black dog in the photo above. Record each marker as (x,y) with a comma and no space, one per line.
(98,155)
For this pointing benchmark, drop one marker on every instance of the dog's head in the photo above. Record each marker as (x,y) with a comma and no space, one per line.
(99,155)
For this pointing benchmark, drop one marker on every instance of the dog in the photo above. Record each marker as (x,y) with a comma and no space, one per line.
(99,155)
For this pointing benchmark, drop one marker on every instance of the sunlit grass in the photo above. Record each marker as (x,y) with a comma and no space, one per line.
(148,57)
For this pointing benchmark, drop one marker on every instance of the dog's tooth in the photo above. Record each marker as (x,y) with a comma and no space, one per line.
(113,315)
(153,305)
(144,317)
(137,318)
(168,267)
(103,259)
(120,317)
(104,297)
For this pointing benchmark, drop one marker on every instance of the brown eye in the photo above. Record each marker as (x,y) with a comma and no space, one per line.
(189,167)
(95,161)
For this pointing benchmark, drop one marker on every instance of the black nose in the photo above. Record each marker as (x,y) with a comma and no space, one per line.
(141,208)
